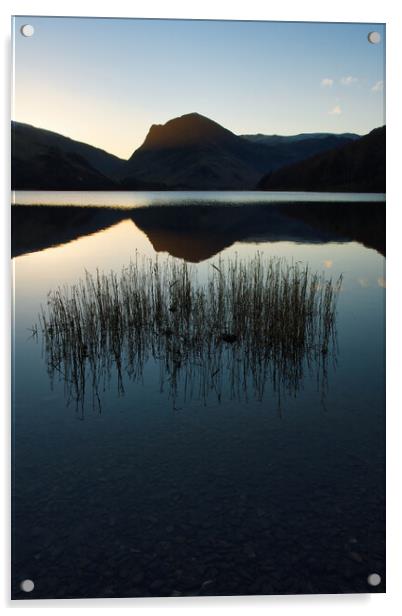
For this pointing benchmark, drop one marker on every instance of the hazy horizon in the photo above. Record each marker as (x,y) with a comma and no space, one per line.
(105,82)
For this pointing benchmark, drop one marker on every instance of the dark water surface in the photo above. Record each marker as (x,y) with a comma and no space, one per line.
(150,494)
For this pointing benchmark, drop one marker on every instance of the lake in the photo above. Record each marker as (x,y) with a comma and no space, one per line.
(194,477)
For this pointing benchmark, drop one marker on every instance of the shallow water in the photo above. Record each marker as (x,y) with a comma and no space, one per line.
(200,494)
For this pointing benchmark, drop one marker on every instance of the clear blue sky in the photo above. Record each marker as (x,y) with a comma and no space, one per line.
(105,81)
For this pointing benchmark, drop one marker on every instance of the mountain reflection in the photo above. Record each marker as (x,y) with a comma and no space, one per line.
(198,232)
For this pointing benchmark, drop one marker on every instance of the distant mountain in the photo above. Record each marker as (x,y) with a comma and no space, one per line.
(194,152)
(356,167)
(336,138)
(190,152)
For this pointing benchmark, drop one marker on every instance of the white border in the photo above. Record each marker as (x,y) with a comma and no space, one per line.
(388,11)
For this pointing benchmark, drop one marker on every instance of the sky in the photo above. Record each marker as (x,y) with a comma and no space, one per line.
(106,81)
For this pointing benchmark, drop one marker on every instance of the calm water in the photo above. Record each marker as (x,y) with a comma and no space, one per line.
(200,493)
(130,199)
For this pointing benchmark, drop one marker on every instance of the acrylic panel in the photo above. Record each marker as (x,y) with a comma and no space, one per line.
(198,246)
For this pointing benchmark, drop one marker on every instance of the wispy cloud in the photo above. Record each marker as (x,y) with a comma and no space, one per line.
(335,110)
(378,87)
(347,81)
(327,82)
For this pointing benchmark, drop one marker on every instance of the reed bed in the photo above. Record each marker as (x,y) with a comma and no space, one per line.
(248,323)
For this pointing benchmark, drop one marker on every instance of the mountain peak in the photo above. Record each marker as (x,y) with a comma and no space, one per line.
(189,129)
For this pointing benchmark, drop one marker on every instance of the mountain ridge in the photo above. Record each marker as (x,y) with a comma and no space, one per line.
(194,152)
(355,167)
(190,152)
(190,128)
(274,138)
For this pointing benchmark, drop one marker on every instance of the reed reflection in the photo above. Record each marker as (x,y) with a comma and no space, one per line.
(252,324)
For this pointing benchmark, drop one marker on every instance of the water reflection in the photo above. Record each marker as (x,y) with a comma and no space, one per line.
(254,323)
(243,495)
(198,232)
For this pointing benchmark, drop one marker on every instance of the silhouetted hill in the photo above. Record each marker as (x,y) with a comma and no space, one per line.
(355,167)
(45,160)
(194,152)
(189,152)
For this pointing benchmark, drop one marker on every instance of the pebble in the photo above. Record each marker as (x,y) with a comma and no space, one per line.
(356,557)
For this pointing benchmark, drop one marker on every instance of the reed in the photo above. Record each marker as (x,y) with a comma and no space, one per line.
(251,321)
